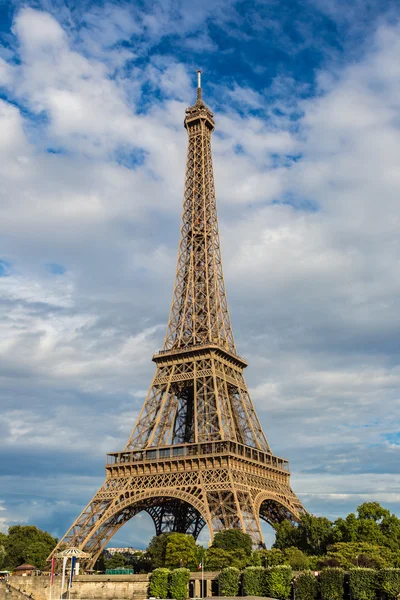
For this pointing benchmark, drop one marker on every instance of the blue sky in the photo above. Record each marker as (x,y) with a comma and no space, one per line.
(92,156)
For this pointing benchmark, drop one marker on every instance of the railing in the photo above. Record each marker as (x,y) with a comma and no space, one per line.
(201,449)
(200,346)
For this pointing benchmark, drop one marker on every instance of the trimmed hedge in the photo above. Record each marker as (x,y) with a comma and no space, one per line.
(306,586)
(278,581)
(363,583)
(253,581)
(158,585)
(179,584)
(389,580)
(228,581)
(331,583)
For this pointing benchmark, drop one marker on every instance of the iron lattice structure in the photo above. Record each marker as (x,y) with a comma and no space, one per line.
(197,455)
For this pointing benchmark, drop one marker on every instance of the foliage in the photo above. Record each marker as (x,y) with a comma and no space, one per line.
(233,540)
(278,581)
(178,584)
(389,582)
(306,586)
(363,584)
(373,511)
(268,558)
(369,538)
(373,524)
(216,559)
(116,561)
(27,543)
(140,561)
(159,583)
(312,535)
(228,581)
(180,551)
(359,554)
(157,549)
(331,583)
(254,581)
(313,562)
(296,559)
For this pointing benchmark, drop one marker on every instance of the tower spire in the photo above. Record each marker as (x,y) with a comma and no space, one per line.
(199,98)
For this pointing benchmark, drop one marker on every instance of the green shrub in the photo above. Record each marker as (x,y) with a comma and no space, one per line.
(331,583)
(278,581)
(306,586)
(389,582)
(178,584)
(253,581)
(158,585)
(228,581)
(363,584)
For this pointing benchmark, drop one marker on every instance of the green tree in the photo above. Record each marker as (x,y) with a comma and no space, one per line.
(233,540)
(268,558)
(140,561)
(346,530)
(3,553)
(296,559)
(312,535)
(286,535)
(216,559)
(116,561)
(372,511)
(357,554)
(27,543)
(156,550)
(180,551)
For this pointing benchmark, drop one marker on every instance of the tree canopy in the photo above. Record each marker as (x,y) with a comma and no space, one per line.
(233,540)
(25,544)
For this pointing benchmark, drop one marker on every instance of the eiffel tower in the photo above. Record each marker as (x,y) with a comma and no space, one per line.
(197,455)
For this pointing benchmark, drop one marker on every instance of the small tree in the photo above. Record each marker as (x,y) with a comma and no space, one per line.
(278,581)
(178,584)
(254,581)
(331,582)
(363,584)
(228,581)
(159,583)
(306,586)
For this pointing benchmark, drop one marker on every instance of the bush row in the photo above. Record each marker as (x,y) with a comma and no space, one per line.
(169,584)
(277,582)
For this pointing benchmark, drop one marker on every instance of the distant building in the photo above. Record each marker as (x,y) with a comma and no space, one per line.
(124,551)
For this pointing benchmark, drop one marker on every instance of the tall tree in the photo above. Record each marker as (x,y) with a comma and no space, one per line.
(312,535)
(233,539)
(156,549)
(27,543)
(181,551)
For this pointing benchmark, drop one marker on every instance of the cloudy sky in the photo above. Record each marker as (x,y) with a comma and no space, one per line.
(306,98)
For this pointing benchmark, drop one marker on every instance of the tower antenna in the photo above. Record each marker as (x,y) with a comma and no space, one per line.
(198,84)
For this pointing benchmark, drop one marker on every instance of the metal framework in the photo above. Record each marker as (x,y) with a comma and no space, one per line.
(197,454)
